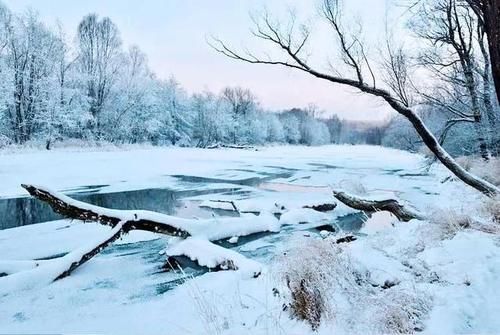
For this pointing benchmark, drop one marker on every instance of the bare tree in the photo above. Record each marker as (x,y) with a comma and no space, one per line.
(449,27)
(354,57)
(488,13)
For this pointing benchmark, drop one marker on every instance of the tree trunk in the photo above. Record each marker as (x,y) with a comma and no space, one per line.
(488,13)
(492,27)
(430,141)
(390,205)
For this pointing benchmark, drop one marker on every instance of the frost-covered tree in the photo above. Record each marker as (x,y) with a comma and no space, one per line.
(291,128)
(90,88)
(209,121)
(29,60)
(241,103)
(99,59)
(290,46)
(275,129)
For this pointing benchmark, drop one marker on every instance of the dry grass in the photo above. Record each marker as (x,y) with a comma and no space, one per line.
(325,285)
(306,303)
(466,162)
(484,217)
(491,208)
(401,312)
(488,170)
(313,271)
(450,222)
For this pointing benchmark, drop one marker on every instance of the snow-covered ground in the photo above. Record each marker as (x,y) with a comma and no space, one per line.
(451,275)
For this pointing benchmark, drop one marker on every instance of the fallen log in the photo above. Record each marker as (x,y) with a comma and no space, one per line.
(391,205)
(132,220)
(213,229)
(32,274)
(230,146)
(197,235)
(123,221)
(114,235)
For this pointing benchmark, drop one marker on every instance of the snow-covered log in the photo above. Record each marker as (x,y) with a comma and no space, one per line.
(11,267)
(197,246)
(230,146)
(391,205)
(83,255)
(30,274)
(68,263)
(212,229)
(132,220)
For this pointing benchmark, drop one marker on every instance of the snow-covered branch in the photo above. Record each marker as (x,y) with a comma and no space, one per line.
(196,246)
(391,205)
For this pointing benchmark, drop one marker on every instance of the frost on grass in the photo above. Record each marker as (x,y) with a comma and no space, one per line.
(322,284)
(484,217)
(488,170)
(449,222)
(491,209)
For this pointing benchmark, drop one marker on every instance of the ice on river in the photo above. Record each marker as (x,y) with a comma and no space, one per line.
(124,290)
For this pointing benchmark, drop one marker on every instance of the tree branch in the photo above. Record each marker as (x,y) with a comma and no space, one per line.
(390,205)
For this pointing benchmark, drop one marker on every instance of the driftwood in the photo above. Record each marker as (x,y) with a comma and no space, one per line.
(121,221)
(78,210)
(230,146)
(88,255)
(322,207)
(390,205)
(346,239)
(326,207)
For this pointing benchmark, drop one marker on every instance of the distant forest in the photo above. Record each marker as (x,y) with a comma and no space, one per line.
(94,90)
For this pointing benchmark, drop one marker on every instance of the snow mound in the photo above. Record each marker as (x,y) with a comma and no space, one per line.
(212,256)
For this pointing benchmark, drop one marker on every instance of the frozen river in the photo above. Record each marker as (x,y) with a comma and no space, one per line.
(130,276)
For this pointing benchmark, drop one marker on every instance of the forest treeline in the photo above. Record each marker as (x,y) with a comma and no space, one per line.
(91,87)
(95,89)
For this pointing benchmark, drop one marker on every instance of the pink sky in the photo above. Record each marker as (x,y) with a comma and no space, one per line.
(173,34)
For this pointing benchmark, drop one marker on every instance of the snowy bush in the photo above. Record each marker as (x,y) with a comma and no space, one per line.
(321,283)
(488,170)
(491,207)
(450,222)
(309,270)
(400,311)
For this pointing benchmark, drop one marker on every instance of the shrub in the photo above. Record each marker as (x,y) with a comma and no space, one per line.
(325,284)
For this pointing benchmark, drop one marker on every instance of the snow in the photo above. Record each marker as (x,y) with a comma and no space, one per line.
(47,271)
(211,255)
(378,221)
(303,215)
(153,166)
(455,275)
